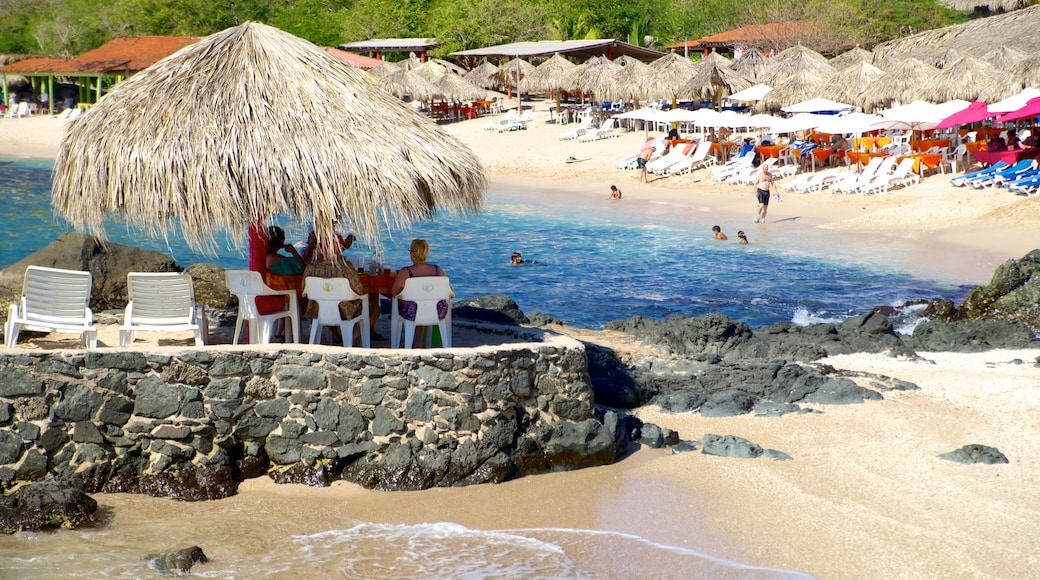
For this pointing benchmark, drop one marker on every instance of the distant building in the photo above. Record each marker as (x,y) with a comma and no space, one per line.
(768,38)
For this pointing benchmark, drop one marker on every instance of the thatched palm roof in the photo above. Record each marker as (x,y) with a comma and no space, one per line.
(673,71)
(849,84)
(801,86)
(902,84)
(512,72)
(794,60)
(481,75)
(799,53)
(553,74)
(713,59)
(969,79)
(943,57)
(1026,73)
(592,75)
(381,70)
(406,83)
(752,65)
(1015,29)
(632,78)
(991,5)
(452,87)
(851,57)
(714,82)
(1005,57)
(250,123)
(430,70)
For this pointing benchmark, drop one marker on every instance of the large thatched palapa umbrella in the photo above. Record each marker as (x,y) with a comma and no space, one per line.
(250,123)
(482,75)
(714,81)
(673,71)
(553,75)
(969,79)
(631,79)
(801,86)
(851,57)
(454,88)
(794,60)
(848,85)
(899,85)
(406,83)
(752,65)
(1027,73)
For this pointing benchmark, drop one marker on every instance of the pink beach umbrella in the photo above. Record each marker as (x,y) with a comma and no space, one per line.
(973,113)
(1031,110)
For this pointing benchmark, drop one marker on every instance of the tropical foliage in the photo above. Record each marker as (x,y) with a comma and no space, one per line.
(67,27)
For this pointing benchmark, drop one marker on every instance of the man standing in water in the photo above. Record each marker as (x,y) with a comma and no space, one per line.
(764,185)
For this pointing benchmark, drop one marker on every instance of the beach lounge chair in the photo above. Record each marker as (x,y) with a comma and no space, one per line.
(724,171)
(431,297)
(629,162)
(813,182)
(1028,185)
(1012,173)
(328,293)
(578,131)
(53,300)
(698,159)
(852,182)
(510,116)
(660,165)
(247,285)
(902,176)
(161,302)
(746,176)
(518,123)
(606,130)
(962,180)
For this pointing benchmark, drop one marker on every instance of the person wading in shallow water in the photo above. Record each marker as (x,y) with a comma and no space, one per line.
(764,186)
(615,193)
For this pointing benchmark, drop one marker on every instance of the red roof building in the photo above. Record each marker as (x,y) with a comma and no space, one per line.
(772,37)
(362,62)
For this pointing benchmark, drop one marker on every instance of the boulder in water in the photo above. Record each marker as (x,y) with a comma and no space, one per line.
(45,504)
(177,561)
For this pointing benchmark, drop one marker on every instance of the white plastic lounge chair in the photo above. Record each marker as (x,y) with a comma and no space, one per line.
(902,176)
(161,302)
(431,296)
(518,123)
(883,171)
(660,166)
(853,181)
(53,300)
(578,131)
(246,285)
(726,170)
(606,130)
(629,162)
(815,182)
(503,121)
(328,293)
(698,159)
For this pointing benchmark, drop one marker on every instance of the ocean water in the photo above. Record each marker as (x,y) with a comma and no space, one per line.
(597,260)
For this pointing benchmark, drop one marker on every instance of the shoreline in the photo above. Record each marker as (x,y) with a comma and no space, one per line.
(865,495)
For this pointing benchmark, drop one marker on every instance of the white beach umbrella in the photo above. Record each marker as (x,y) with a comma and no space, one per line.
(753,93)
(1015,102)
(799,122)
(915,116)
(817,105)
(644,114)
(855,123)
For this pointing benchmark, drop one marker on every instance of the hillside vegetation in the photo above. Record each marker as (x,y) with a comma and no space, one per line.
(69,27)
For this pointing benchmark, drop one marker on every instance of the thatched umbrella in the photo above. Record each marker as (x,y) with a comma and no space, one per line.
(405,83)
(552,75)
(793,61)
(673,71)
(944,57)
(1026,73)
(851,57)
(253,122)
(752,64)
(410,63)
(454,88)
(800,86)
(632,78)
(1005,57)
(430,70)
(481,76)
(713,82)
(969,79)
(384,69)
(448,65)
(590,76)
(847,85)
(899,85)
(512,73)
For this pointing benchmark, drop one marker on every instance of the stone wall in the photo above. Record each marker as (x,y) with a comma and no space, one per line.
(192,423)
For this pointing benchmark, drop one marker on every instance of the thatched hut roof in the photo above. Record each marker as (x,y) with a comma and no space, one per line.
(969,79)
(752,65)
(452,87)
(802,85)
(250,123)
(381,70)
(632,78)
(510,73)
(799,53)
(902,84)
(482,75)
(991,5)
(1026,73)
(848,85)
(591,75)
(406,83)
(714,82)
(673,71)
(851,57)
(713,59)
(943,57)
(1005,57)
(1015,30)
(551,75)
(794,60)
(430,70)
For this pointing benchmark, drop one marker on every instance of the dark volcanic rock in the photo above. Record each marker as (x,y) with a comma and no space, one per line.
(44,504)
(975,453)
(712,333)
(729,446)
(1012,294)
(612,382)
(495,308)
(971,335)
(210,285)
(177,561)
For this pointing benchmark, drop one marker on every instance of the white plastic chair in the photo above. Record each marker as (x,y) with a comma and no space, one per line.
(328,293)
(246,285)
(426,292)
(53,300)
(161,302)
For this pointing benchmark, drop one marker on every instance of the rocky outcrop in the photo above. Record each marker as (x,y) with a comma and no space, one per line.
(729,446)
(46,504)
(1012,294)
(975,453)
(178,562)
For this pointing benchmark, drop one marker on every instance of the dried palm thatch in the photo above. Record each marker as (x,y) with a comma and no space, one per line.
(384,69)
(851,57)
(410,63)
(452,87)
(1005,57)
(481,75)
(899,85)
(592,75)
(752,65)
(943,57)
(794,60)
(991,5)
(632,78)
(253,122)
(713,82)
(431,71)
(969,79)
(1026,73)
(803,85)
(553,74)
(1015,30)
(673,71)
(406,83)
(512,73)
(849,84)
(448,65)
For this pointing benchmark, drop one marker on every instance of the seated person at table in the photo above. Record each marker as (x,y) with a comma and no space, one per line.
(280,264)
(996,144)
(1013,142)
(419,252)
(767,140)
(1033,140)
(313,251)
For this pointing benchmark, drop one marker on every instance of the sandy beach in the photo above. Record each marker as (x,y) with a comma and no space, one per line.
(865,495)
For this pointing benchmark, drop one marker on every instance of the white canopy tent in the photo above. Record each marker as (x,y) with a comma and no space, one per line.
(754,93)
(818,105)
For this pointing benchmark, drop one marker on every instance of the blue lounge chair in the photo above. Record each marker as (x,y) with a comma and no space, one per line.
(989,180)
(962,180)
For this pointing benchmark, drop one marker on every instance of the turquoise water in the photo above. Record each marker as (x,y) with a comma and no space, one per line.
(597,260)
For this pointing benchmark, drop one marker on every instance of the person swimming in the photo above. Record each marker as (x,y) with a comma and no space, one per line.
(743,238)
(718,233)
(516,259)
